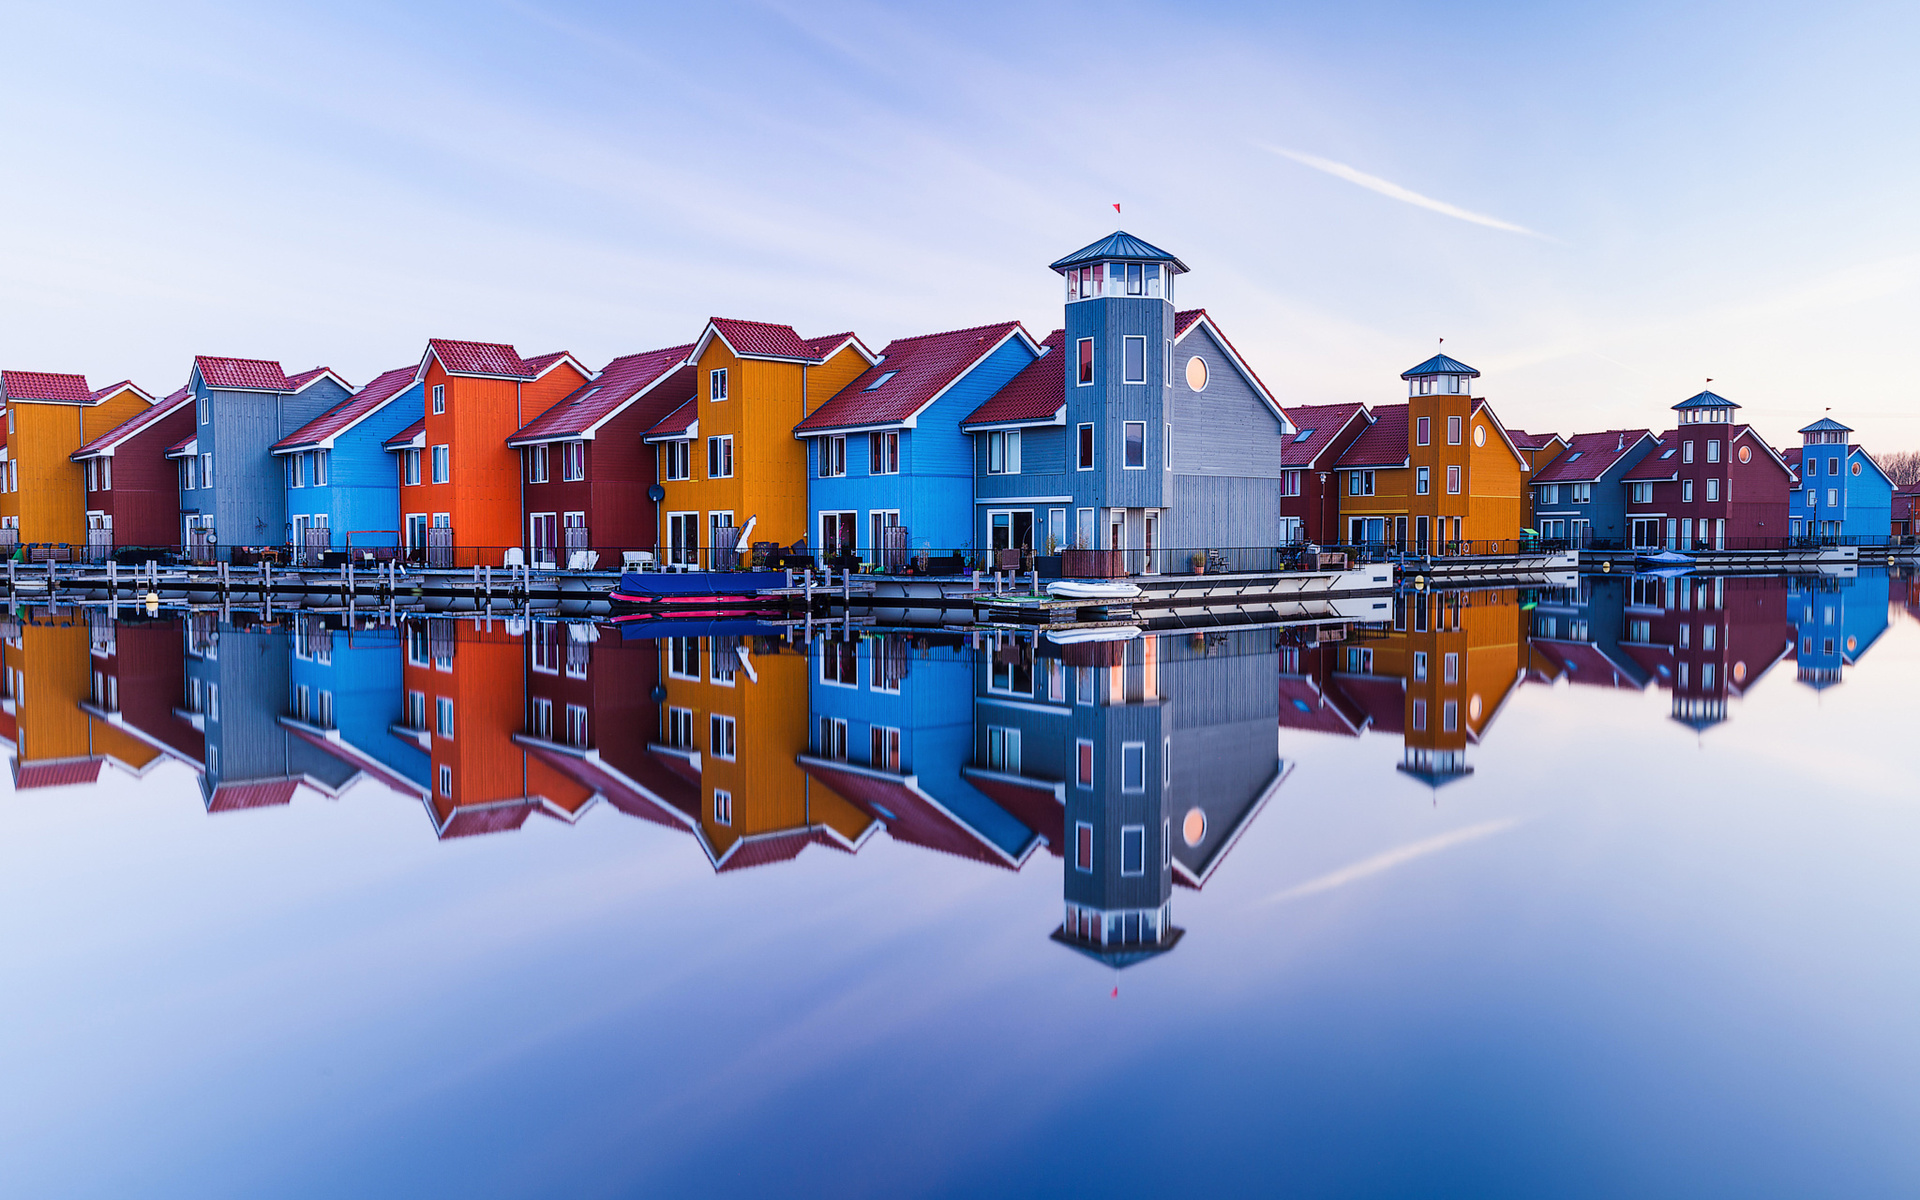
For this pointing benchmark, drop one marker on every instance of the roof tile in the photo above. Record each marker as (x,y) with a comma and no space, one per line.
(384,387)
(661,371)
(297,382)
(242,374)
(55,774)
(1384,444)
(759,339)
(910,373)
(1320,424)
(1590,455)
(1440,364)
(407,435)
(1036,394)
(139,421)
(495,359)
(45,385)
(678,422)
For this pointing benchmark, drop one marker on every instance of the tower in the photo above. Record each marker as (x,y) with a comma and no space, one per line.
(1439,412)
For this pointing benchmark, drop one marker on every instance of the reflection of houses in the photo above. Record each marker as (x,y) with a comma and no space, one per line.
(1576,636)
(53,661)
(1705,639)
(346,697)
(1835,622)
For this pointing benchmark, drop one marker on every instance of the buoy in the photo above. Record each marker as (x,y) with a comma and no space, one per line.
(1607,565)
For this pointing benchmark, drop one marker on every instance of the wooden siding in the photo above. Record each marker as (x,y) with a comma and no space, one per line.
(1109,403)
(144,500)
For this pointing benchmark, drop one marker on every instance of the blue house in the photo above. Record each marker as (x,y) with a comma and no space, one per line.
(341,487)
(1835,622)
(1160,441)
(887,453)
(1579,498)
(1839,493)
(346,693)
(232,492)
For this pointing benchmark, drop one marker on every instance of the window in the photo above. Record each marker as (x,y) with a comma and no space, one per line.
(446,780)
(1419,714)
(537,463)
(1813,466)
(296,470)
(1360,483)
(1450,668)
(1421,480)
(1085,369)
(417,649)
(1197,373)
(1453,481)
(439,398)
(883,453)
(680,728)
(723,660)
(1422,430)
(1133,359)
(720,457)
(1686,451)
(1419,665)
(199,406)
(1135,442)
(1086,448)
(1713,451)
(722,807)
(1642,493)
(1453,431)
(1003,453)
(1133,849)
(683,658)
(1133,766)
(1082,846)
(1083,763)
(187,473)
(410,465)
(577,725)
(540,718)
(206,469)
(417,710)
(1582,493)
(717,384)
(676,460)
(443,716)
(1003,749)
(1713,489)
(1450,716)
(833,457)
(720,731)
(883,748)
(442,464)
(320,468)
(1833,496)
(879,381)
(840,663)
(1686,491)
(833,738)
(1290,482)
(1167,361)
(573,461)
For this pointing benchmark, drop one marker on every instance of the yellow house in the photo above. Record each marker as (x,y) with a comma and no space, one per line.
(54,668)
(43,497)
(728,458)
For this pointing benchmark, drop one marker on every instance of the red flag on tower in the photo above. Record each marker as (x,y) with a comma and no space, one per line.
(1116,208)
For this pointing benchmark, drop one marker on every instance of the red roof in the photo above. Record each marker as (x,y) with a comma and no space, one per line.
(823,347)
(758,339)
(1304,706)
(1384,444)
(406,436)
(1323,422)
(1382,698)
(492,818)
(760,850)
(914,819)
(1036,394)
(1791,456)
(657,793)
(538,364)
(242,374)
(1586,664)
(180,447)
(45,385)
(676,423)
(659,373)
(480,358)
(1530,441)
(296,382)
(384,387)
(911,372)
(230,797)
(1588,456)
(134,424)
(1183,321)
(55,774)
(99,394)
(1661,462)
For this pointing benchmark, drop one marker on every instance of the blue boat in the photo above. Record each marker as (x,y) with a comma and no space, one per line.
(693,587)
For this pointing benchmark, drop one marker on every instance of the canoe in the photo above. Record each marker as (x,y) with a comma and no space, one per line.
(1081,589)
(1080,637)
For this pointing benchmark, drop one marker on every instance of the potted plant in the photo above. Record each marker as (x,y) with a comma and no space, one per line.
(1198,561)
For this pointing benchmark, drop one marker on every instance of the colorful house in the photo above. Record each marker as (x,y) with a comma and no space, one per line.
(49,417)
(132,489)
(232,492)
(1840,493)
(887,451)
(1373,481)
(139,681)
(1836,621)
(1021,484)
(1903,510)
(346,696)
(1579,498)
(340,484)
(459,480)
(587,468)
(1310,490)
(1538,449)
(1713,484)
(56,664)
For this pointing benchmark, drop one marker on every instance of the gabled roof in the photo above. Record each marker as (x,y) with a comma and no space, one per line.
(678,424)
(828,345)
(911,374)
(773,343)
(661,376)
(1194,864)
(1192,319)
(45,387)
(1861,452)
(1439,364)
(1122,245)
(540,364)
(300,382)
(114,389)
(1316,428)
(1383,698)
(185,446)
(261,793)
(1826,425)
(1705,400)
(349,412)
(55,773)
(413,435)
(105,443)
(242,374)
(1384,444)
(1591,455)
(1534,441)
(1791,456)
(1304,706)
(488,360)
(1036,396)
(1661,464)
(970,827)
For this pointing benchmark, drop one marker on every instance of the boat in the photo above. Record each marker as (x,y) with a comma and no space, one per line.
(1080,637)
(697,588)
(1082,589)
(1664,558)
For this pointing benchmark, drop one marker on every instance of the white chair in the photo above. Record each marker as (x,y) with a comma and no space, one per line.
(583,560)
(514,558)
(636,560)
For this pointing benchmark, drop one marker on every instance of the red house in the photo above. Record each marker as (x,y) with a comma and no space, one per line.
(586,466)
(130,481)
(1310,489)
(1711,485)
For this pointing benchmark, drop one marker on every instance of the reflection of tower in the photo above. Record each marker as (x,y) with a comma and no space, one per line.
(1832,633)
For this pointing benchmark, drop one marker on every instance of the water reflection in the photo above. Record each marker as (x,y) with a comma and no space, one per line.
(1134,766)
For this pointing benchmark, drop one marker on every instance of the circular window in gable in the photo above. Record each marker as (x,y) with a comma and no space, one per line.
(1197,375)
(1479,435)
(1856,468)
(1193,826)
(1746,454)
(1740,672)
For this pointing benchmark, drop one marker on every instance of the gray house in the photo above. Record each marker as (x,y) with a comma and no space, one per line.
(232,488)
(1580,498)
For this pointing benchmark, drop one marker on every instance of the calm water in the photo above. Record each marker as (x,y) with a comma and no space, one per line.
(1517,894)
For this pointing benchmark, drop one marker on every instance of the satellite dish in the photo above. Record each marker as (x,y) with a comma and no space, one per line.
(656,493)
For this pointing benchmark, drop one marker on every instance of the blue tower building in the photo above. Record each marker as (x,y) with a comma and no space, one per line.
(1841,494)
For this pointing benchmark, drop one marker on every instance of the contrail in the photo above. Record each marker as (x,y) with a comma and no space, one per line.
(1368,867)
(1387,187)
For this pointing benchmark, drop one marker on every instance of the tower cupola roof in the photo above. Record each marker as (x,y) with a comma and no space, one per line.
(1123,246)
(1440,364)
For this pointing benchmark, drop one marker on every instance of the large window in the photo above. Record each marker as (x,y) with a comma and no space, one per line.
(1135,435)
(443,716)
(442,464)
(883,454)
(1642,493)
(1084,370)
(537,463)
(1003,453)
(676,460)
(1582,493)
(320,467)
(1360,483)
(573,461)
(1086,448)
(296,470)
(1003,749)
(1134,359)
(833,457)
(410,465)
(720,457)
(720,736)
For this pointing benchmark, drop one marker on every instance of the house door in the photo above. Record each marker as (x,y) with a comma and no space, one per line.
(1420,535)
(1356,530)
(1376,530)
(683,538)
(1152,564)
(542,537)
(1400,533)
(837,533)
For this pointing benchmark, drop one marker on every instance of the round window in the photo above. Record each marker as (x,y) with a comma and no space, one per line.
(1853,643)
(1193,826)
(1473,709)
(1479,435)
(1746,454)
(1740,672)
(1197,374)
(1856,468)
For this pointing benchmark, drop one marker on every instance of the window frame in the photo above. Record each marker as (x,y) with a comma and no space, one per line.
(443,463)
(1127,446)
(1083,362)
(1086,455)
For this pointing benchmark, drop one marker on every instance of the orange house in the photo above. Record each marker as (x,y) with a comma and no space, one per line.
(729,458)
(55,670)
(460,486)
(43,495)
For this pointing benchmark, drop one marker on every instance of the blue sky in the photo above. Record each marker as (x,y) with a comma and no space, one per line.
(1708,190)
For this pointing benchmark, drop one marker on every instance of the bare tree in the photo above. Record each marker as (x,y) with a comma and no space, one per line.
(1903,465)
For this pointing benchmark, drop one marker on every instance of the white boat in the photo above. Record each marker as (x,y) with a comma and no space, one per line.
(1079,637)
(1081,589)
(1666,558)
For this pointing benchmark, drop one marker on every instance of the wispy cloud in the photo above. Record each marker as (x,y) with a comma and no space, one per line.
(1366,868)
(1386,187)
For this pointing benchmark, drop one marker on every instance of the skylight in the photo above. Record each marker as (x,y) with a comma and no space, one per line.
(1303,435)
(1668,454)
(1576,454)
(876,383)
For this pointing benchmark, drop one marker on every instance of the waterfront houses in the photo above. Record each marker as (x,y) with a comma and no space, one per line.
(586,468)
(1021,497)
(1310,492)
(49,417)
(1579,498)
(1714,484)
(890,469)
(340,483)
(1373,481)
(1839,492)
(132,488)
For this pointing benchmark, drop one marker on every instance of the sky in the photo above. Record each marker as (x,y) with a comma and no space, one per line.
(1600,207)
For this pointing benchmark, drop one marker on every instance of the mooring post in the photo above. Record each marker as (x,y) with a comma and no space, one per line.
(976,579)
(1036,581)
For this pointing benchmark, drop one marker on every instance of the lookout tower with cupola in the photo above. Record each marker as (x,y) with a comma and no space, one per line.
(1439,410)
(1706,409)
